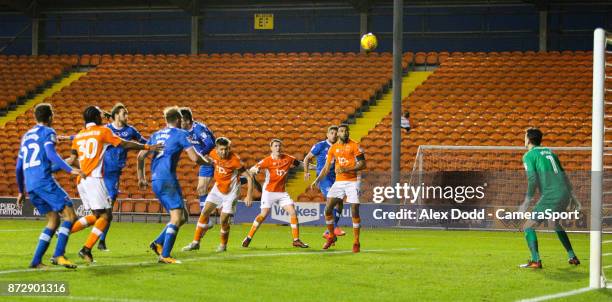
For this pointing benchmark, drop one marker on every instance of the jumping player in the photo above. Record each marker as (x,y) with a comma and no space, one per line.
(349,159)
(277,167)
(34,175)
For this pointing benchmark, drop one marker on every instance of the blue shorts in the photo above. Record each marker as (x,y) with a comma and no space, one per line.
(49,197)
(206,171)
(324,185)
(169,193)
(111,182)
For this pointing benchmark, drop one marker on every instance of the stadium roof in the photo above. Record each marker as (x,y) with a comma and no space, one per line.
(34,7)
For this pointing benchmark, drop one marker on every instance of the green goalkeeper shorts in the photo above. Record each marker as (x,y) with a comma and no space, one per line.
(558,204)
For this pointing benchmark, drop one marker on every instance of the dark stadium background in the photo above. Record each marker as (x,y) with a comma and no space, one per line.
(79,27)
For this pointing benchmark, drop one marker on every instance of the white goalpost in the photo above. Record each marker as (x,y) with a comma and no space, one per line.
(600,41)
(499,165)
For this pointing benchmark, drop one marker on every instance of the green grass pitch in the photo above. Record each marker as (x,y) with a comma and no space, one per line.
(395,265)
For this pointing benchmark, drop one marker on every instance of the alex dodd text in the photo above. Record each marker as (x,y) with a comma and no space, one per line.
(475,214)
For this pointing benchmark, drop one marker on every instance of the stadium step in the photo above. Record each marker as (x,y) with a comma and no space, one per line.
(383,107)
(296,185)
(39,98)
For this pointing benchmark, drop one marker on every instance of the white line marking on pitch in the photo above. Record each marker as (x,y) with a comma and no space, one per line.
(606,254)
(558,295)
(607,241)
(607,267)
(20,230)
(209,257)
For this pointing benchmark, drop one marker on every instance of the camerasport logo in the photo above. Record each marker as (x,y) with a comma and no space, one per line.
(10,209)
(306,212)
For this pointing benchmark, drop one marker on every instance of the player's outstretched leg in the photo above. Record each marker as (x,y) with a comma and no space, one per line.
(256,224)
(573,260)
(83,223)
(356,228)
(62,239)
(202,227)
(532,243)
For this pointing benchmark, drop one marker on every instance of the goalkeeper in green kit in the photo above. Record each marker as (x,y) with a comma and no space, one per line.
(544,171)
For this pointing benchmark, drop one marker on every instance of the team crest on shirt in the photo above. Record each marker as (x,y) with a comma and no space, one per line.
(221,170)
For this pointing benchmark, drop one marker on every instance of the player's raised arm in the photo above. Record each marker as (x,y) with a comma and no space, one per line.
(130,145)
(198,158)
(62,138)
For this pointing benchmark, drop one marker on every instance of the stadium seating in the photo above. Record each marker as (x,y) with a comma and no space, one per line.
(471,99)
(20,75)
(250,98)
(490,99)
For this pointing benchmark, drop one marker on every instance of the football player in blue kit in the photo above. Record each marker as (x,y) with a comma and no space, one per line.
(320,151)
(36,162)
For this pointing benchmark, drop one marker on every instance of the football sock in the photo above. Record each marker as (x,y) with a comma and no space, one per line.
(43,244)
(62,238)
(83,222)
(201,227)
(532,243)
(336,217)
(566,243)
(162,236)
(295,229)
(256,223)
(356,228)
(103,236)
(225,228)
(171,232)
(96,232)
(329,221)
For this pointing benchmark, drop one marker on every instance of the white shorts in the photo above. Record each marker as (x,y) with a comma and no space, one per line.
(350,189)
(225,202)
(270,198)
(94,194)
